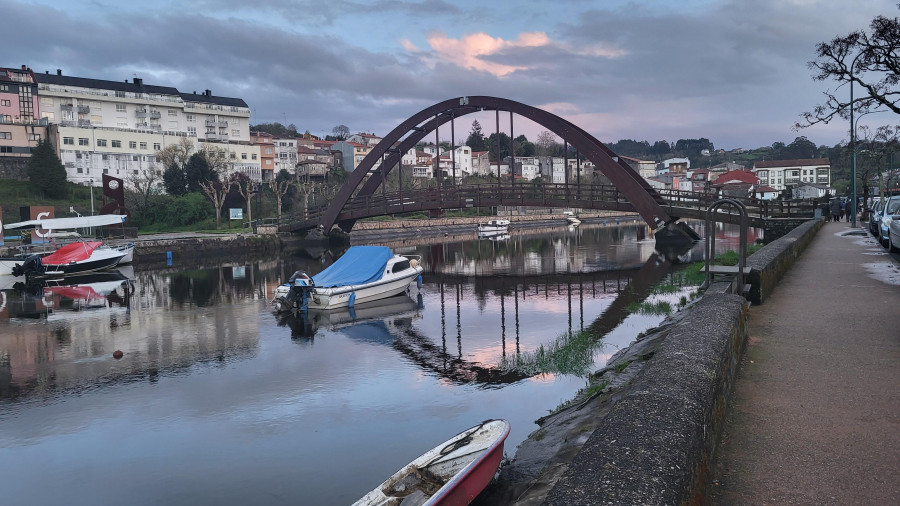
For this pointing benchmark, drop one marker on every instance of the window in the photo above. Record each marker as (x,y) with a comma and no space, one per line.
(80,170)
(189,117)
(173,113)
(120,94)
(268,162)
(5,135)
(120,107)
(69,140)
(5,102)
(6,117)
(117,144)
(173,125)
(51,116)
(143,145)
(105,157)
(231,155)
(253,156)
(78,155)
(243,156)
(132,145)
(83,141)
(34,137)
(101,143)
(268,151)
(106,171)
(5,149)
(5,87)
(192,130)
(96,118)
(156,146)
(236,133)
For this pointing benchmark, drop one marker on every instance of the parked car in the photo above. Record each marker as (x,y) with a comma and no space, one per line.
(891,210)
(892,221)
(875,217)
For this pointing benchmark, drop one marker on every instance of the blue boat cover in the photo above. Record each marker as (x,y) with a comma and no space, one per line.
(358,265)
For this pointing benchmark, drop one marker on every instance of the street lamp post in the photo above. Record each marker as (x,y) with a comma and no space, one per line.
(853,145)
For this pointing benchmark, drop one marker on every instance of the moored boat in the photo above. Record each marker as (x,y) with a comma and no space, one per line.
(72,259)
(452,473)
(361,274)
(493,226)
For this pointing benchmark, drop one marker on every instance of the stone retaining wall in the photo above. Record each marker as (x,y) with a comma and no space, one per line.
(472,220)
(655,446)
(657,443)
(769,263)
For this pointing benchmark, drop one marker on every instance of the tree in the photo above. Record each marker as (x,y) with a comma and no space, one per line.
(876,147)
(215,191)
(145,182)
(280,186)
(476,137)
(176,154)
(174,182)
(340,132)
(546,143)
(241,183)
(46,173)
(869,60)
(197,171)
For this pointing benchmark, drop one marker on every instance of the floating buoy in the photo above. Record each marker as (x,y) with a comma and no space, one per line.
(118,354)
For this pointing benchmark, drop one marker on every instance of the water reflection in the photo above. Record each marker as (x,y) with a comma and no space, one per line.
(222,400)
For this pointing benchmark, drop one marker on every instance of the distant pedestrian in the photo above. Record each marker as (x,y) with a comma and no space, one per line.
(843,210)
(835,209)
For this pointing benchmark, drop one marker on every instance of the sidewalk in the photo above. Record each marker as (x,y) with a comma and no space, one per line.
(816,412)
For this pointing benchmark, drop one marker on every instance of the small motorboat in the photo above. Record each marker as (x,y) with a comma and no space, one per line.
(498,226)
(361,274)
(452,473)
(572,218)
(69,260)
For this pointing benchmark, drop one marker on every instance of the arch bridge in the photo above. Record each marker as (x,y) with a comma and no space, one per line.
(629,192)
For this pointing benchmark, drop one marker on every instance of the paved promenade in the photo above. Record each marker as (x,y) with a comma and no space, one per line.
(816,412)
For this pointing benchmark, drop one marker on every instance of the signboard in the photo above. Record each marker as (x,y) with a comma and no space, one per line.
(236,213)
(34,213)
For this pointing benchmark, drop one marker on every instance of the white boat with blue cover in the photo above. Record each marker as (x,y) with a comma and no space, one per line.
(362,274)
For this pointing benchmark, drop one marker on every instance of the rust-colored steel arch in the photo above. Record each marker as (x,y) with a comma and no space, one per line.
(646,201)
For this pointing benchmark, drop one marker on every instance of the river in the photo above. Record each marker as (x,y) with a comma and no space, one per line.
(217,400)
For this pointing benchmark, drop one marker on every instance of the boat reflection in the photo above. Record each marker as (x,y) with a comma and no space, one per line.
(364,322)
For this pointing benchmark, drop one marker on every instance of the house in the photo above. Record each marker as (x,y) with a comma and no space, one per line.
(266,144)
(735,183)
(676,165)
(645,168)
(21,126)
(805,191)
(699,179)
(765,193)
(362,138)
(481,163)
(782,174)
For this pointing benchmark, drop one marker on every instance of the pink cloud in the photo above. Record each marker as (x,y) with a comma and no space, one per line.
(469,51)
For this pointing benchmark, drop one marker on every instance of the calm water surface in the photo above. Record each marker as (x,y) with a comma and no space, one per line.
(219,401)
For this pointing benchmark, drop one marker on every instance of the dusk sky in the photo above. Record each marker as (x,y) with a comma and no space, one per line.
(733,71)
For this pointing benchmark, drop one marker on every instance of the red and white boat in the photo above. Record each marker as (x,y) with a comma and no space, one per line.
(450,474)
(69,260)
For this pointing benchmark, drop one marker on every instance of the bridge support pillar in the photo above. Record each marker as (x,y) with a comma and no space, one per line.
(676,233)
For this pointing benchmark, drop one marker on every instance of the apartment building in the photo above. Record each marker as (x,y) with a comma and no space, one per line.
(20,126)
(781,174)
(116,128)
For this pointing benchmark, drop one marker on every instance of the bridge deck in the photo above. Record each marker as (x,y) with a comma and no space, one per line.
(679,204)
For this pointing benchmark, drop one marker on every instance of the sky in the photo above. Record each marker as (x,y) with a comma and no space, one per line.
(733,71)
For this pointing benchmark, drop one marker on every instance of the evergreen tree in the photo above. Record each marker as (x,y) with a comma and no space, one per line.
(476,138)
(174,181)
(46,173)
(197,171)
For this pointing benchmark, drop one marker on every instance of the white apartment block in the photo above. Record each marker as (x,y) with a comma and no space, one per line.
(117,127)
(285,154)
(780,174)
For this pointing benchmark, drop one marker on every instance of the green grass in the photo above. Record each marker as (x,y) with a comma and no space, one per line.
(584,393)
(660,307)
(15,194)
(567,354)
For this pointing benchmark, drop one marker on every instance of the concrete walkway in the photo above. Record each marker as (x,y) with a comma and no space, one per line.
(816,412)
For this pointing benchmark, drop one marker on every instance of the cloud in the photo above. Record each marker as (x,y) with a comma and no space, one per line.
(496,56)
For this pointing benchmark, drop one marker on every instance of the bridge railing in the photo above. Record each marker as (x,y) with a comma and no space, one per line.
(679,202)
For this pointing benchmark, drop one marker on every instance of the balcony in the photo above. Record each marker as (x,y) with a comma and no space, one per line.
(140,113)
(84,122)
(155,115)
(83,109)
(67,107)
(223,124)
(211,123)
